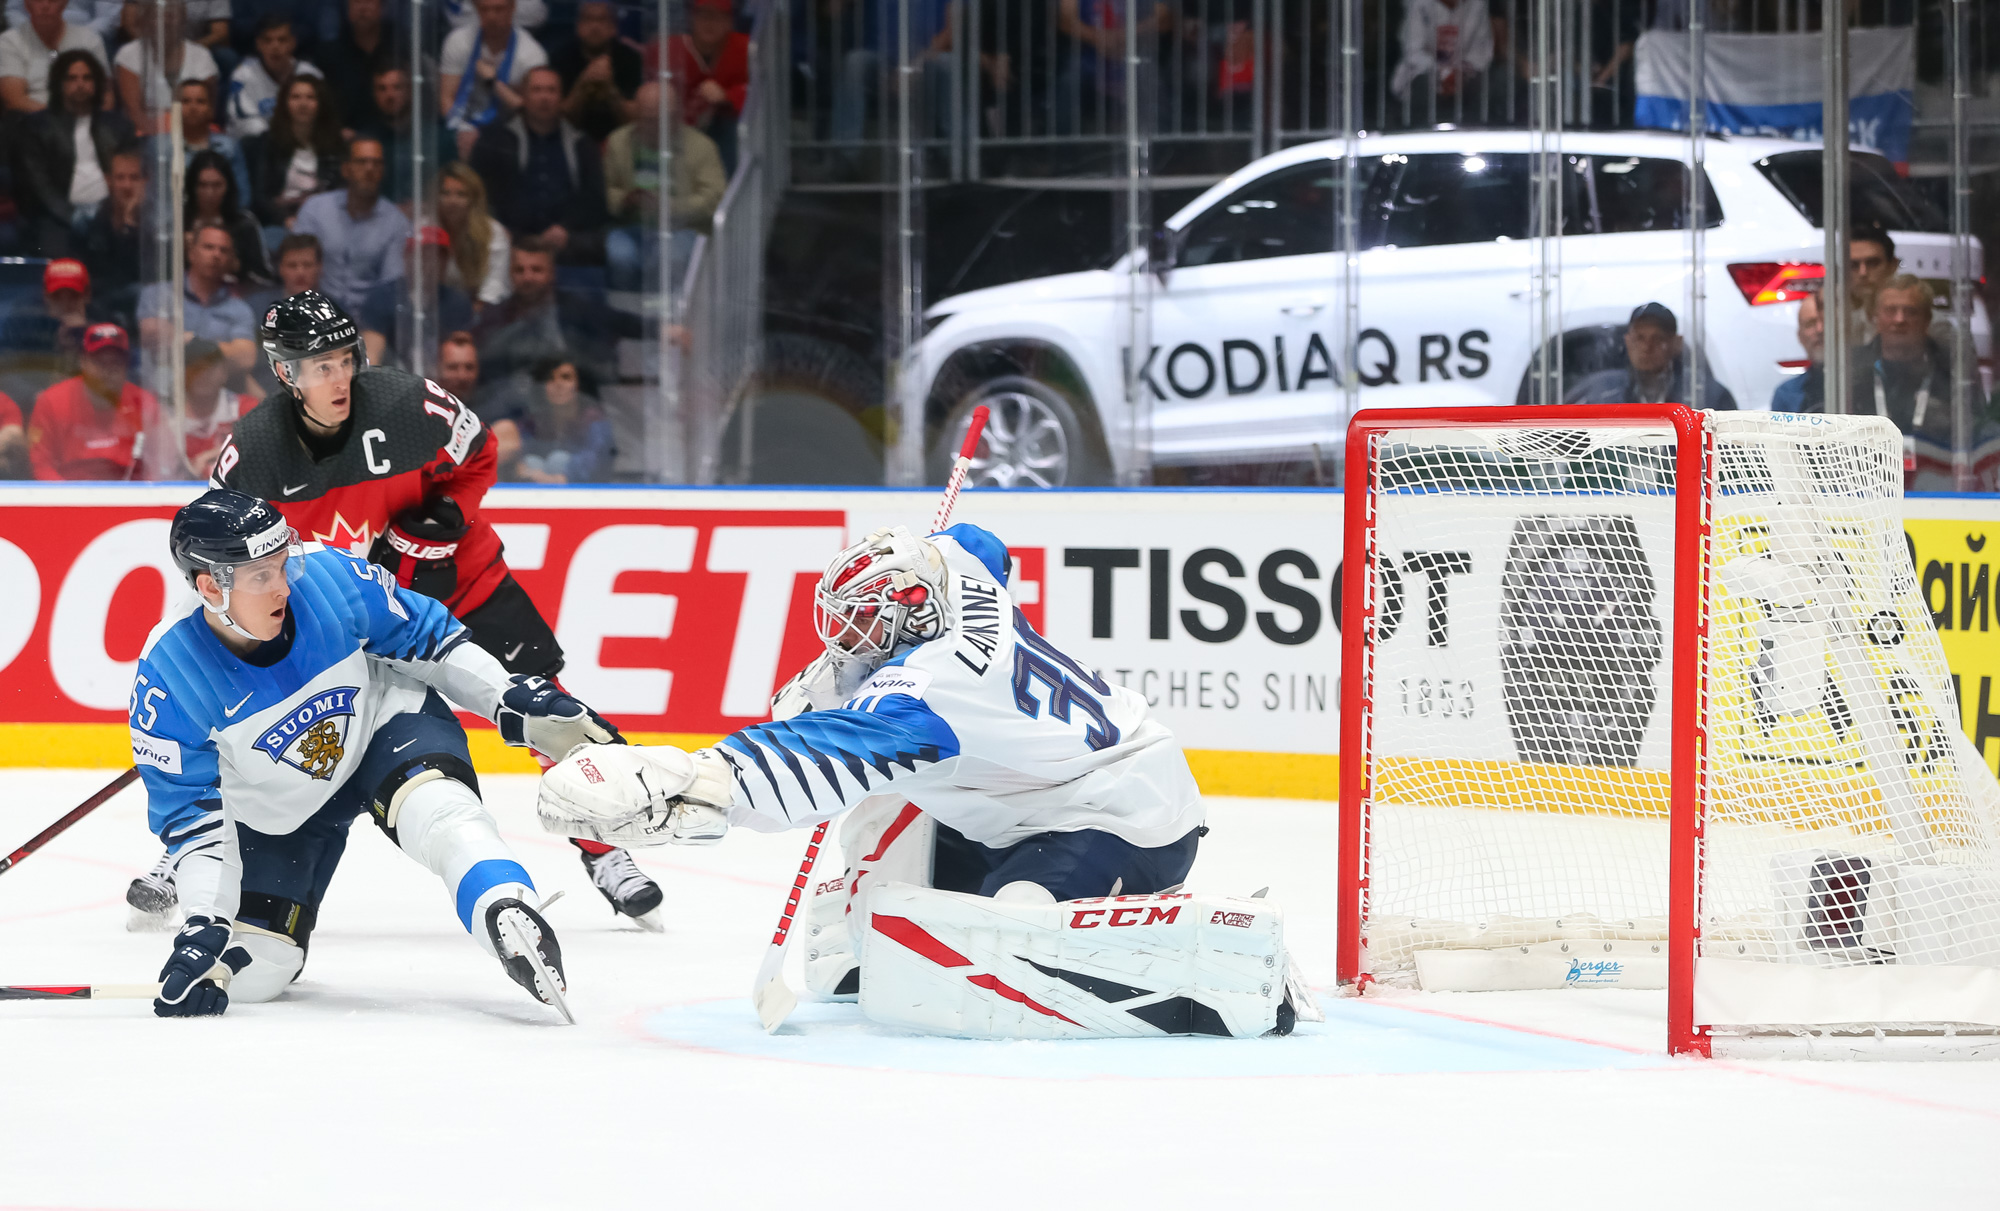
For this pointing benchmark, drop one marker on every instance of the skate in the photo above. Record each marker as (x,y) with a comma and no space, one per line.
(630,892)
(154,900)
(529,952)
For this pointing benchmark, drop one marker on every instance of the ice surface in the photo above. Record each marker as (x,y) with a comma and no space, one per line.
(404,1070)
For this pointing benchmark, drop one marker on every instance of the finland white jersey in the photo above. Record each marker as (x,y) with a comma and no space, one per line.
(271,735)
(989,728)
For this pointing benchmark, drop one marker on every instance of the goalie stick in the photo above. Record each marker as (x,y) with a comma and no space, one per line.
(76,813)
(773,998)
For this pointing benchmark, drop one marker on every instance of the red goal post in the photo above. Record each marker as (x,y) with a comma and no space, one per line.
(1537,771)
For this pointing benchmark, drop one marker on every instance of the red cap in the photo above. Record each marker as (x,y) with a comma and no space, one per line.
(65,274)
(99,337)
(432,237)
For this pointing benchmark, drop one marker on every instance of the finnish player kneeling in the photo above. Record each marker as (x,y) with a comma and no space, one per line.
(1037,892)
(303,691)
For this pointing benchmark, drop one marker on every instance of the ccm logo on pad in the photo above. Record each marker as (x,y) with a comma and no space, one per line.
(1119,917)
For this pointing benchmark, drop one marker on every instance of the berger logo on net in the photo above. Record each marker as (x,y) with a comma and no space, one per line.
(313,738)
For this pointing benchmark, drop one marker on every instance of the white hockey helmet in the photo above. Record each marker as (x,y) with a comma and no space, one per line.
(883,592)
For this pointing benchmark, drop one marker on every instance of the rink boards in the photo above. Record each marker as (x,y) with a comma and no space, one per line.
(681,609)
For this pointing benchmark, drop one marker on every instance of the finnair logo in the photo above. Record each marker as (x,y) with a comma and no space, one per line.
(313,738)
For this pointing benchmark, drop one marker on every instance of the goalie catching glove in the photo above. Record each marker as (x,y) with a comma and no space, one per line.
(535,713)
(632,796)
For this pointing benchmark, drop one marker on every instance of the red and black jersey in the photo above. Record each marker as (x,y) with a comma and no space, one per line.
(409,443)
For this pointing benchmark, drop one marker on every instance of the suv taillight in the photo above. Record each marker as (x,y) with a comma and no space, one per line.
(1777,282)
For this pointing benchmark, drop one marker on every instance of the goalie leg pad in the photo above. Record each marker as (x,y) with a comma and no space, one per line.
(884,840)
(832,971)
(944,962)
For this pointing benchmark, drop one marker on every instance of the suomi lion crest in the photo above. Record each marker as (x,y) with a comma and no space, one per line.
(321,749)
(313,737)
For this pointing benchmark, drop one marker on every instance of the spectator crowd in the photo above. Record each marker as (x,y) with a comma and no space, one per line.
(300,124)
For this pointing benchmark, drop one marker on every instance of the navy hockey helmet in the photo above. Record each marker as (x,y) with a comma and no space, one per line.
(305,325)
(223,529)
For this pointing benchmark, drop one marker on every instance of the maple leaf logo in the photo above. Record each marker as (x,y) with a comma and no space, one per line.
(346,537)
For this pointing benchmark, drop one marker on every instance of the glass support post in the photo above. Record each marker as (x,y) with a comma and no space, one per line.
(668,456)
(1834,304)
(1349,218)
(1697,200)
(1137,317)
(1545,100)
(421,356)
(1964,422)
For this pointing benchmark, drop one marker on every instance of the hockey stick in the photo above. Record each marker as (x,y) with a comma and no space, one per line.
(78,992)
(77,813)
(773,998)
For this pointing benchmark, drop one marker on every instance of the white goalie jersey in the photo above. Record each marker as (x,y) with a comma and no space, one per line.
(995,731)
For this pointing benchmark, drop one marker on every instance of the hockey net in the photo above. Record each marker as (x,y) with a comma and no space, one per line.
(1642,696)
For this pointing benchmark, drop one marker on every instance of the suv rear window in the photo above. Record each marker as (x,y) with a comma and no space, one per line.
(1878,197)
(1635,193)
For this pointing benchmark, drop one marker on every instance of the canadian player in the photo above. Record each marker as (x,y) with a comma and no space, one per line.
(1041,785)
(304,689)
(389,465)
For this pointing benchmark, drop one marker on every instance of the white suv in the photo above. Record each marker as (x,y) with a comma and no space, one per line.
(1244,314)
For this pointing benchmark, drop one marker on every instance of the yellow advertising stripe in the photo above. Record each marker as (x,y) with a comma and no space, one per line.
(490,756)
(1218,771)
(109,746)
(66,745)
(1265,775)
(1770,795)
(1522,786)
(1742,792)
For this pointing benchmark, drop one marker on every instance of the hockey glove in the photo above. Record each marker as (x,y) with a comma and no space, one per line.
(537,714)
(195,981)
(639,795)
(421,547)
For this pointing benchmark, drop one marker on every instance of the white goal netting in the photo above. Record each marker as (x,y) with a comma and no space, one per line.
(1520,712)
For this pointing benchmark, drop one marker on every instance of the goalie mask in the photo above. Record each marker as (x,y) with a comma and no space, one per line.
(882,593)
(225,533)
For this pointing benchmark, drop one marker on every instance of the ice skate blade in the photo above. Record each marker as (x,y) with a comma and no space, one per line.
(518,933)
(651,921)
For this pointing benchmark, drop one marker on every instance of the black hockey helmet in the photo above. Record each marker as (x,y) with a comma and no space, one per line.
(222,529)
(304,325)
